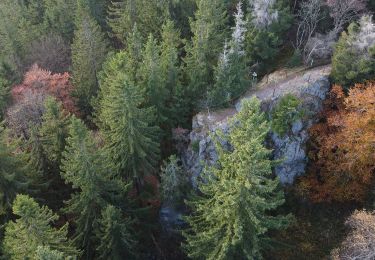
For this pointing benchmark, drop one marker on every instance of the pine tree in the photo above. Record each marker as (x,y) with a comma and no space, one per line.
(114,235)
(128,128)
(231,72)
(84,167)
(33,228)
(231,217)
(89,49)
(171,73)
(151,80)
(209,32)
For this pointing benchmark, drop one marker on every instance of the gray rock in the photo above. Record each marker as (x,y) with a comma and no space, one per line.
(289,149)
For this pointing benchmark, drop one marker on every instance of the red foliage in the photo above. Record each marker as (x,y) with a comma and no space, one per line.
(343,149)
(40,81)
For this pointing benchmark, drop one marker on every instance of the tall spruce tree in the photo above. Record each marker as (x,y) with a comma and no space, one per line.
(151,80)
(33,229)
(116,239)
(84,167)
(232,215)
(89,50)
(129,128)
(171,73)
(53,130)
(209,32)
(231,72)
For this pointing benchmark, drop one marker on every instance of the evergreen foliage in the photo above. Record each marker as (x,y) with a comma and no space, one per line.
(12,175)
(266,28)
(129,128)
(116,239)
(231,72)
(209,32)
(353,60)
(89,49)
(32,229)
(84,167)
(151,80)
(231,217)
(286,112)
(148,15)
(59,17)
(174,182)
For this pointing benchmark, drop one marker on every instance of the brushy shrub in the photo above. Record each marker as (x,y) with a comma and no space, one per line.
(285,113)
(295,60)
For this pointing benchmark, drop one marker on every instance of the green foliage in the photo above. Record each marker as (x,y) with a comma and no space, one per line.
(19,26)
(148,15)
(263,42)
(115,236)
(350,64)
(12,175)
(45,253)
(151,80)
(195,146)
(4,96)
(128,128)
(231,217)
(209,32)
(171,73)
(59,17)
(32,229)
(53,130)
(232,71)
(84,167)
(174,181)
(89,50)
(295,60)
(285,113)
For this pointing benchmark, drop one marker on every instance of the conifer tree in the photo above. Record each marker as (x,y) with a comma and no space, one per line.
(129,128)
(231,217)
(12,175)
(53,130)
(84,167)
(122,16)
(209,32)
(89,49)
(59,17)
(32,229)
(151,79)
(231,72)
(171,73)
(149,15)
(268,22)
(116,240)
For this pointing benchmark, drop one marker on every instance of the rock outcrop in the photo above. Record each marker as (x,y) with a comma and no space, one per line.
(310,86)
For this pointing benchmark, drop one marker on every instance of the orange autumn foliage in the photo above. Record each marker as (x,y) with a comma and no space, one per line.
(40,81)
(343,149)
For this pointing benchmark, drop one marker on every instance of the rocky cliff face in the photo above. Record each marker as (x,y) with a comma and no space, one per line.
(310,86)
